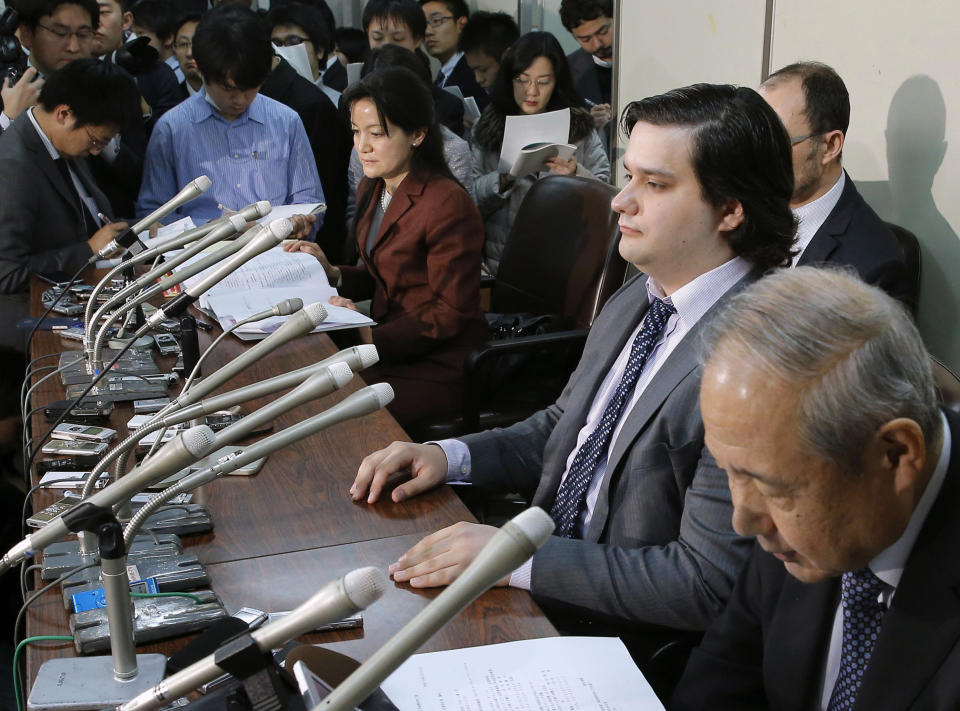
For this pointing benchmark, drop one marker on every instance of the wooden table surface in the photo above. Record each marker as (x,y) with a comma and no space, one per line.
(281,534)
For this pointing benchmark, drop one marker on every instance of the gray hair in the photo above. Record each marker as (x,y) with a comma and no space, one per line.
(853,353)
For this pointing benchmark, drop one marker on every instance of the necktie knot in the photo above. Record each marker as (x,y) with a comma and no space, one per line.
(860,587)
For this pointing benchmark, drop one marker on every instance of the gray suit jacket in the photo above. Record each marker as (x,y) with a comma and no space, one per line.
(41,227)
(660,549)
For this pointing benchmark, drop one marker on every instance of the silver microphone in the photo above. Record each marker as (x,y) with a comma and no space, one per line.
(514,543)
(352,593)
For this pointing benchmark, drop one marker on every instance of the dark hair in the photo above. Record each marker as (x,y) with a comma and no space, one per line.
(740,151)
(391,55)
(574,13)
(32,10)
(184,19)
(307,18)
(489,32)
(518,59)
(233,44)
(405,12)
(157,16)
(403,99)
(353,42)
(457,8)
(98,93)
(825,96)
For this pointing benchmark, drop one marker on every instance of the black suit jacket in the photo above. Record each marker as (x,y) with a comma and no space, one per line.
(768,649)
(331,141)
(336,77)
(854,235)
(585,77)
(41,227)
(463,77)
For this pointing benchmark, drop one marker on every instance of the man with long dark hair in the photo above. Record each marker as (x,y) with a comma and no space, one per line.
(643,545)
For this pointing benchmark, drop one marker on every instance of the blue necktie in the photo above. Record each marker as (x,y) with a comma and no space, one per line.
(440,79)
(862,617)
(571,498)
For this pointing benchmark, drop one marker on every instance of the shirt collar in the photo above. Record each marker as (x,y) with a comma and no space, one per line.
(447,68)
(889,564)
(694,299)
(206,110)
(812,215)
(47,143)
(331,60)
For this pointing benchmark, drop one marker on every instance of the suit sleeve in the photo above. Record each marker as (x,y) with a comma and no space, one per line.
(454,236)
(19,219)
(726,670)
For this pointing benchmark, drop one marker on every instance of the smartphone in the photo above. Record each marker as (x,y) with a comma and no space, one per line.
(84,433)
(60,447)
(73,334)
(89,410)
(148,407)
(166,344)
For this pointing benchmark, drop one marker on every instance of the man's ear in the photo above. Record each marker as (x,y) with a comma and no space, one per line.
(461,23)
(834,141)
(127,20)
(63,114)
(731,215)
(26,37)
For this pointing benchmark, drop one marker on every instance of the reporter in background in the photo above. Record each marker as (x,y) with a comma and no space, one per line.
(49,220)
(419,236)
(156,20)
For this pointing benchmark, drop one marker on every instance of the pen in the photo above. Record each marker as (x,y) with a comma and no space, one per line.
(104,219)
(221,206)
(590,104)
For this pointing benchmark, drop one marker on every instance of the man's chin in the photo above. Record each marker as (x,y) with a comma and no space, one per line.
(806,573)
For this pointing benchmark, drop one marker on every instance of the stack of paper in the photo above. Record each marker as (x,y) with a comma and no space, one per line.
(569,673)
(522,131)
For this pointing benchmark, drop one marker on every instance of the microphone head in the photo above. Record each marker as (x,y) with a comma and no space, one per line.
(315,312)
(341,374)
(281,229)
(264,208)
(368,355)
(201,184)
(383,393)
(199,441)
(535,524)
(364,586)
(287,307)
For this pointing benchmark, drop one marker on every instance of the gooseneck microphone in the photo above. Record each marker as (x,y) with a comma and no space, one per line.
(276,232)
(352,593)
(513,544)
(126,238)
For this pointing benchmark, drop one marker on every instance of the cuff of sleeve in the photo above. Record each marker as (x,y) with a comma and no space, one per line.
(458,460)
(520,578)
(4,121)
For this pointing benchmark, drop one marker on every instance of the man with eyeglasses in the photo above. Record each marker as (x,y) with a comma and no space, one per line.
(445,21)
(183,51)
(835,224)
(591,24)
(50,212)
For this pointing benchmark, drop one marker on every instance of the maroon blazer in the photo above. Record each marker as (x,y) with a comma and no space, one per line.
(422,273)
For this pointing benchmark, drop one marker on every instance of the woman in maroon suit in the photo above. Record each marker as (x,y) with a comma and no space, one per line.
(420,236)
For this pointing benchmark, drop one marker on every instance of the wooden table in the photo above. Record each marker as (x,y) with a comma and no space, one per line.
(280,535)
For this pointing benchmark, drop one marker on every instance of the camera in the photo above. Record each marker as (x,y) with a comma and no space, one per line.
(13,60)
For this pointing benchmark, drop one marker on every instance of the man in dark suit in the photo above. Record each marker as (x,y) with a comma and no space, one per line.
(644,539)
(835,224)
(445,21)
(591,24)
(818,400)
(49,221)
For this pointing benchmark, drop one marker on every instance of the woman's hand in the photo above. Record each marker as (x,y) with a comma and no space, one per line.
(562,167)
(365,332)
(299,245)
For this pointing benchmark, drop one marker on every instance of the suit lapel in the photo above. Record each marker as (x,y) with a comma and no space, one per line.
(827,238)
(33,143)
(923,623)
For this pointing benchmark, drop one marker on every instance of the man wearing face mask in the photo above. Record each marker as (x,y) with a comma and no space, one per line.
(252,147)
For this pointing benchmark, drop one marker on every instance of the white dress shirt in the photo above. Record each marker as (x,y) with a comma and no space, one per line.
(691,301)
(90,203)
(810,217)
(889,564)
(447,69)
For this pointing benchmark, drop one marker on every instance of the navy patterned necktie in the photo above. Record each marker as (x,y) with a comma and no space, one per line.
(440,79)
(571,498)
(862,617)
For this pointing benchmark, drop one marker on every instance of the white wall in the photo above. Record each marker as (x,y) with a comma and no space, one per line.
(903,145)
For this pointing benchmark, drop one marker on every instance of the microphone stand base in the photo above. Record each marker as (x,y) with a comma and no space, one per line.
(154,619)
(79,684)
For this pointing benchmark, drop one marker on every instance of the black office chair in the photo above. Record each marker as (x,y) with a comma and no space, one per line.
(948,385)
(560,261)
(911,255)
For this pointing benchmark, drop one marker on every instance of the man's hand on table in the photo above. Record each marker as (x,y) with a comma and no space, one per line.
(426,463)
(441,557)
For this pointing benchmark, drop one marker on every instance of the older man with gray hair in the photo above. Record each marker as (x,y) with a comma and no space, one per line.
(818,401)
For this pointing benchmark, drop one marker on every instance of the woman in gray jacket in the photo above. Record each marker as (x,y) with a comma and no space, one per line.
(534,77)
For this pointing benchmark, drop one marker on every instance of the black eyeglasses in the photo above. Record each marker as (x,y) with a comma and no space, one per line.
(289,40)
(437,20)
(84,34)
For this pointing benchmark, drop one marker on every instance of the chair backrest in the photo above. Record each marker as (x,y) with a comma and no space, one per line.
(911,255)
(561,256)
(948,385)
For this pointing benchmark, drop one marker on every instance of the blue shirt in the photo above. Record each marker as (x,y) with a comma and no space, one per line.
(262,155)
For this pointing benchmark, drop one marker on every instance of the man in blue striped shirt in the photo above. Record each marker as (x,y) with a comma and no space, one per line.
(252,147)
